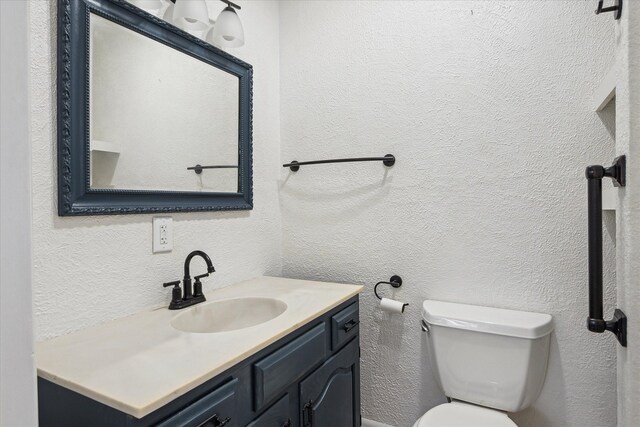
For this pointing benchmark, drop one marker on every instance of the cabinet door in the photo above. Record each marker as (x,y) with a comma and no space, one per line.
(330,396)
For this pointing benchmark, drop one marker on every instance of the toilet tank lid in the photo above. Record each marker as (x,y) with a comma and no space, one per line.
(499,321)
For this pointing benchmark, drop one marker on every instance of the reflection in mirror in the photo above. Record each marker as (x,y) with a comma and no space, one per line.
(154,112)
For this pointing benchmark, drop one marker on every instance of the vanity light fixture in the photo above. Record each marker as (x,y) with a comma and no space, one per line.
(192,16)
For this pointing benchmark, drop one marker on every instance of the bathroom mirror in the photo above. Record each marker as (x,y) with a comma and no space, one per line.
(150,118)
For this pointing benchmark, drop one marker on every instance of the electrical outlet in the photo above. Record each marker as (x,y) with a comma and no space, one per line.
(162,234)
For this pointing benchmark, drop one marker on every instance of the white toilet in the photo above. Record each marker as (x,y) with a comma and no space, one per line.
(488,361)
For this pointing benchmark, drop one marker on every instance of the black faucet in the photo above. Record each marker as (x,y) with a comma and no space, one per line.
(189,296)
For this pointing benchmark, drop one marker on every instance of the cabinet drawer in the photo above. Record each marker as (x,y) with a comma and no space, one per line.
(274,373)
(209,411)
(276,416)
(344,325)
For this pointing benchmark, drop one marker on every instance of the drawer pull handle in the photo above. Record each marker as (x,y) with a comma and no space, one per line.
(216,422)
(287,423)
(350,325)
(307,414)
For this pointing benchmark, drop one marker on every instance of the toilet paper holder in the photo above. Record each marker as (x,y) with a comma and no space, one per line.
(395,281)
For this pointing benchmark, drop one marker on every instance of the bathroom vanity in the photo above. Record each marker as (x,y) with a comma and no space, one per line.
(301,368)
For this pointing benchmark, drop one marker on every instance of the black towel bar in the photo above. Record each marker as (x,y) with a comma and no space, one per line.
(388,160)
(198,168)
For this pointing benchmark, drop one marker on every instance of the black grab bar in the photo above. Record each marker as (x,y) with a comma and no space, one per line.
(595,321)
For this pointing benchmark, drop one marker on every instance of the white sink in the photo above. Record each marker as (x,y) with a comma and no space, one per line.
(228,315)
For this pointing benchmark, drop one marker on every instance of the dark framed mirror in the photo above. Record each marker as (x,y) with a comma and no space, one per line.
(150,118)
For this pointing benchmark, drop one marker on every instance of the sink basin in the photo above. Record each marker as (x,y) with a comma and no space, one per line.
(228,315)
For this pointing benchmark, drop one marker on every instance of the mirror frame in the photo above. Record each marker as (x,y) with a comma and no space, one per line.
(75,195)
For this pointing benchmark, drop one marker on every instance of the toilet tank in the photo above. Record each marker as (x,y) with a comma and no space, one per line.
(488,356)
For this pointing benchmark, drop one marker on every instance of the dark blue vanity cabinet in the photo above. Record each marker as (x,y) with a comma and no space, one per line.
(310,378)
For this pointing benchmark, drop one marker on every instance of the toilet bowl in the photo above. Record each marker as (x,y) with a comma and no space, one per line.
(489,361)
(459,414)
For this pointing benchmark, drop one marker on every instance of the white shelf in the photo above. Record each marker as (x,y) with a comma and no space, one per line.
(107,147)
(609,199)
(606,91)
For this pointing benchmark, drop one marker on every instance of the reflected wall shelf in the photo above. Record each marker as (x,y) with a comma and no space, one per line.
(606,91)
(603,95)
(609,199)
(104,146)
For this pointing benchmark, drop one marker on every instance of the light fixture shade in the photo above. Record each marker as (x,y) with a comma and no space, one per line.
(212,7)
(151,6)
(168,13)
(191,15)
(228,31)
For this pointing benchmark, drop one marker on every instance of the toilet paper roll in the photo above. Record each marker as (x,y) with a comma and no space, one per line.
(392,306)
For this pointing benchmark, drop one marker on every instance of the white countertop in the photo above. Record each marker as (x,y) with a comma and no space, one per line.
(139,363)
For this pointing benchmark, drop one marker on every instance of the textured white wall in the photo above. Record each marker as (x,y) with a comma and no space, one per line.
(91,269)
(628,226)
(18,405)
(487,107)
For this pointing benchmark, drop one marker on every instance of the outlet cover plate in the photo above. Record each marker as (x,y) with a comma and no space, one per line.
(162,234)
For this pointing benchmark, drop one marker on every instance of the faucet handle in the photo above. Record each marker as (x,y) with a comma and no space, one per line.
(176,292)
(197,286)
(176,283)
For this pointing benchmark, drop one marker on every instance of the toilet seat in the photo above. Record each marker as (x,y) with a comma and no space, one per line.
(459,414)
